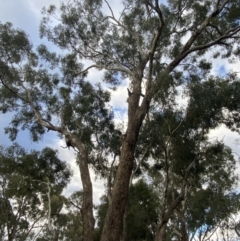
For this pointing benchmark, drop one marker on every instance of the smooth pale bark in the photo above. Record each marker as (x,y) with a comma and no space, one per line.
(161,229)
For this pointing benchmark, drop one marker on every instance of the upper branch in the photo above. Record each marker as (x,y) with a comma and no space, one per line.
(187,47)
(98,66)
(43,122)
(126,28)
(229,34)
(154,41)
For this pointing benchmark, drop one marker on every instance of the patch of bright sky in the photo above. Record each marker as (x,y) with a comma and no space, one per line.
(222,71)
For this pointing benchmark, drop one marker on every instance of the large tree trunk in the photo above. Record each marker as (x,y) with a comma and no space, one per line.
(113,225)
(112,229)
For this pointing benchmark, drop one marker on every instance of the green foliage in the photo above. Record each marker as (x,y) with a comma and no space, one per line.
(23,188)
(15,43)
(52,94)
(161,50)
(142,212)
(178,140)
(67,225)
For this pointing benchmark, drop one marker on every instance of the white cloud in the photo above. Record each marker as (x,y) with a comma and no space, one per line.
(119,98)
(222,133)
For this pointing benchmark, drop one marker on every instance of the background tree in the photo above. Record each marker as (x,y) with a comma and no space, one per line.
(158,48)
(184,157)
(22,192)
(68,224)
(141,212)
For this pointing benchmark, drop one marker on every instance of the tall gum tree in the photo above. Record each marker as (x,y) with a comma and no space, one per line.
(157,47)
(45,102)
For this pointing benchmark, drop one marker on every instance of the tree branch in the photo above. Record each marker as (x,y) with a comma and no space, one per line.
(187,47)
(11,90)
(126,28)
(154,43)
(76,206)
(228,34)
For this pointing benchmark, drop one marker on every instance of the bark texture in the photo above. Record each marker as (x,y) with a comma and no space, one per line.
(113,226)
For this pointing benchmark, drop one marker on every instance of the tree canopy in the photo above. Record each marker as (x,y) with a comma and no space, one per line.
(165,52)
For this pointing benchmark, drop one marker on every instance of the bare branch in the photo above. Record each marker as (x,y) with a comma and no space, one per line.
(110,8)
(139,163)
(126,28)
(216,28)
(154,42)
(43,122)
(76,206)
(100,67)
(171,133)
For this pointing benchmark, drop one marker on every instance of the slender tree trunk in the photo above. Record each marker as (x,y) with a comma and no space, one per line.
(184,232)
(55,236)
(87,205)
(11,236)
(161,230)
(181,215)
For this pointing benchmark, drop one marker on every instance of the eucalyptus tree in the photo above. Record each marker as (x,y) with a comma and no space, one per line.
(63,102)
(23,192)
(211,196)
(156,47)
(184,165)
